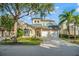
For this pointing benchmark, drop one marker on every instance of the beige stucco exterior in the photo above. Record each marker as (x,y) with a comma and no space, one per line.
(26,26)
(37,31)
(38,28)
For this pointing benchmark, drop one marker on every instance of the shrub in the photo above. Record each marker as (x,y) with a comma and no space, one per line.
(20,32)
(63,36)
(75,41)
(6,41)
(32,41)
(66,36)
(34,38)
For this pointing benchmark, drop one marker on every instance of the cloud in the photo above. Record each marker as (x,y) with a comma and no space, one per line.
(77,10)
(56,7)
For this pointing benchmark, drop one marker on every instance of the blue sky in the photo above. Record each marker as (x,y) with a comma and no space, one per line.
(59,8)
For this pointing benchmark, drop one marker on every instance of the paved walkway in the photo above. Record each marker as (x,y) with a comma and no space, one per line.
(52,48)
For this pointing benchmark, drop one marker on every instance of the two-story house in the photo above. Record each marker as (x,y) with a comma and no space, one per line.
(39,28)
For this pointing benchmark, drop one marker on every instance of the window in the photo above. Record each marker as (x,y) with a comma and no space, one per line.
(35,21)
(38,21)
(26,32)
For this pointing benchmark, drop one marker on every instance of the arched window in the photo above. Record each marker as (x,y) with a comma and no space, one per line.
(38,21)
(26,32)
(35,21)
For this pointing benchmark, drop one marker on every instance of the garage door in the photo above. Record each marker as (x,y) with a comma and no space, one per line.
(44,33)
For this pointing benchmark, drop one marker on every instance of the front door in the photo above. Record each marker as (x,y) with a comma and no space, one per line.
(38,33)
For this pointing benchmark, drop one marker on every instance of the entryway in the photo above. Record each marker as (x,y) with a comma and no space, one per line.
(38,33)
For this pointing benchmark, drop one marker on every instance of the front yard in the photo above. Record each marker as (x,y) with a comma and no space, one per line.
(23,41)
(71,40)
(75,41)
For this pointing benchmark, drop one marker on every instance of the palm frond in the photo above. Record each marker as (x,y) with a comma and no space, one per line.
(61,22)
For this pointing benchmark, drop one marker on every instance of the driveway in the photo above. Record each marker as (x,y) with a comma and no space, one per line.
(58,48)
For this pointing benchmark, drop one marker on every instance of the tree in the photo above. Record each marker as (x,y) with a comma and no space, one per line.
(76,24)
(67,16)
(19,10)
(7,23)
(20,32)
(46,9)
(2,24)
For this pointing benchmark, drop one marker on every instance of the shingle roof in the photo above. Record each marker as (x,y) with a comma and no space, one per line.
(46,27)
(36,25)
(52,26)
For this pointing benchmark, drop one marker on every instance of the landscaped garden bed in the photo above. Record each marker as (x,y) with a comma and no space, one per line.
(22,41)
(75,41)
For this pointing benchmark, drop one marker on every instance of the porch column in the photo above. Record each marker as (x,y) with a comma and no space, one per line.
(41,32)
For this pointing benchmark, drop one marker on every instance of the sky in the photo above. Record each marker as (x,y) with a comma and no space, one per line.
(59,8)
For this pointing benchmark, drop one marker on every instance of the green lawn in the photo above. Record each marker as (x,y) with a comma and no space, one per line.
(75,41)
(71,40)
(33,41)
(23,41)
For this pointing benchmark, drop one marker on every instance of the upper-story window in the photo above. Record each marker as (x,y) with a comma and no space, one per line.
(35,21)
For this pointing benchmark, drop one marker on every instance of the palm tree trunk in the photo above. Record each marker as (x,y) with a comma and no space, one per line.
(68,31)
(2,33)
(74,31)
(9,33)
(60,33)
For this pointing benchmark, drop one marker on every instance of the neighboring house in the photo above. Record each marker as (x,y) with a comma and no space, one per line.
(38,28)
(63,28)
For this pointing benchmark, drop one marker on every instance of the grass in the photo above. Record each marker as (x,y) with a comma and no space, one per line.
(22,41)
(32,41)
(71,40)
(75,41)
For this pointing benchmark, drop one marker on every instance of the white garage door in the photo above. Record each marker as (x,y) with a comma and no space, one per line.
(44,33)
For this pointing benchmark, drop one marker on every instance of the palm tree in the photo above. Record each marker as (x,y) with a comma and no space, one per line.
(46,9)
(76,24)
(67,16)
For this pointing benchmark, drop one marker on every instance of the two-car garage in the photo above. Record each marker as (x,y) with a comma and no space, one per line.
(46,33)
